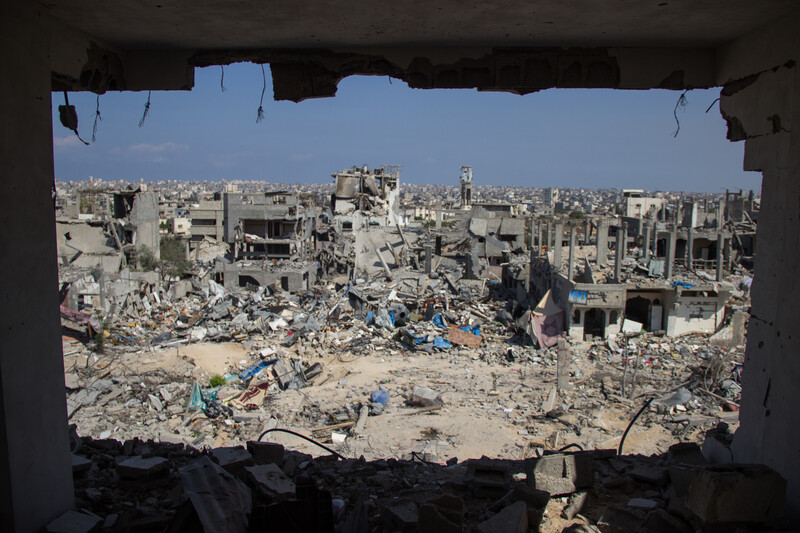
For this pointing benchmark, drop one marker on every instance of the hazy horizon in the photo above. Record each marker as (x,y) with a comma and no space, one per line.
(576,138)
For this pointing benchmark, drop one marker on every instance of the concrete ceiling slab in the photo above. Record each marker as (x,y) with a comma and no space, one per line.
(252,24)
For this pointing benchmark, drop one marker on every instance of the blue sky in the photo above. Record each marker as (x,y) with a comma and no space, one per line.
(561,138)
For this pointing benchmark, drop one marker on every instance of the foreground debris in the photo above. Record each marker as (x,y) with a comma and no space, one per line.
(150,486)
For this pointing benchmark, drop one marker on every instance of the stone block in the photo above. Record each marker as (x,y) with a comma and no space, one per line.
(265,452)
(736,493)
(138,467)
(512,519)
(648,473)
(270,481)
(433,520)
(233,459)
(620,520)
(686,453)
(401,515)
(561,474)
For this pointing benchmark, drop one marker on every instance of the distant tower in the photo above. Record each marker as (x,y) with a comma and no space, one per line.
(466,187)
(550,196)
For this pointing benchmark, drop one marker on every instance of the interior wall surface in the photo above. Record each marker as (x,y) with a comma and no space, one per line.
(35,468)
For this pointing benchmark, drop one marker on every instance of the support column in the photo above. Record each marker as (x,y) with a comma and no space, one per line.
(428,259)
(539,237)
(559,236)
(720,264)
(587,232)
(669,261)
(549,238)
(602,242)
(571,267)
(689,246)
(35,466)
(646,244)
(770,393)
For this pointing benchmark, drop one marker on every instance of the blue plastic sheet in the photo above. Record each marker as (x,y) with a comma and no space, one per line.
(442,344)
(475,330)
(255,369)
(682,284)
(438,320)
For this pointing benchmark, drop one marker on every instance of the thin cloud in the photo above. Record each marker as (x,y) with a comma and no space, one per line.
(68,141)
(157,148)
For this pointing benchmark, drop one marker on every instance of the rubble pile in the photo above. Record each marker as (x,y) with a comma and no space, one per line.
(148,486)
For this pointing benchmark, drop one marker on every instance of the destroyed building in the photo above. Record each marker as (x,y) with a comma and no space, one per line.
(270,225)
(363,197)
(137,221)
(653,285)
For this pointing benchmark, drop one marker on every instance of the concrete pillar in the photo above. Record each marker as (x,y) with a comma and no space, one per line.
(438,219)
(35,467)
(729,253)
(428,259)
(689,246)
(646,243)
(669,262)
(571,267)
(587,232)
(539,238)
(602,242)
(720,246)
(654,233)
(618,255)
(559,236)
(549,237)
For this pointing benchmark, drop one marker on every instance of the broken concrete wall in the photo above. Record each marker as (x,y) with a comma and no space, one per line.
(761,102)
(144,215)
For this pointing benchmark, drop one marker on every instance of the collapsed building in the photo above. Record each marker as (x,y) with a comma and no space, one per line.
(364,197)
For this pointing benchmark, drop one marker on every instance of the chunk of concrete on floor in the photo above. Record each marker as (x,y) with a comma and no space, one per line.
(512,519)
(736,493)
(444,514)
(561,474)
(233,459)
(80,464)
(271,481)
(74,522)
(222,502)
(138,467)
(266,452)
(401,515)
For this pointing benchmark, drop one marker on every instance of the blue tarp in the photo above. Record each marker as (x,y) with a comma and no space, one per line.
(255,369)
(682,284)
(438,320)
(475,330)
(442,344)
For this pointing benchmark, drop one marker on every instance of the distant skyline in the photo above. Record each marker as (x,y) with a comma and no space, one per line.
(554,138)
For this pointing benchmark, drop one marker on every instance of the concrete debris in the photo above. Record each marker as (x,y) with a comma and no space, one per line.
(408,345)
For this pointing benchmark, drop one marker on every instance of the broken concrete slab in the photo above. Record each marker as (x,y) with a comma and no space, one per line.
(512,519)
(139,467)
(736,493)
(270,480)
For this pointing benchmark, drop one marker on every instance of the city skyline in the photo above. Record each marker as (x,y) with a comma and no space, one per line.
(554,138)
